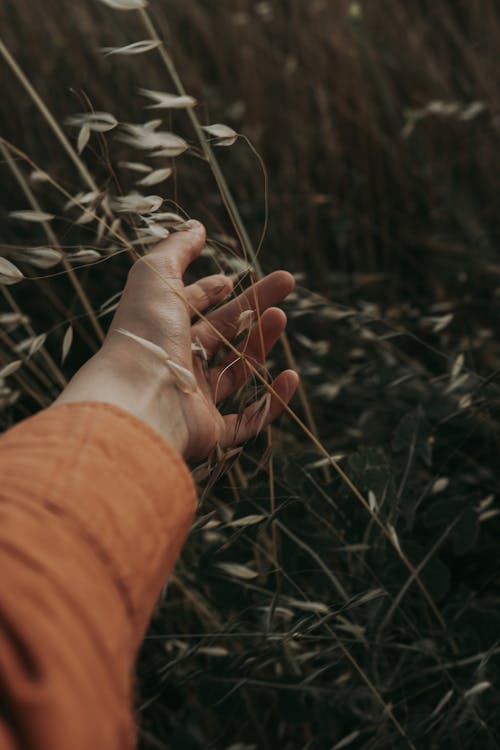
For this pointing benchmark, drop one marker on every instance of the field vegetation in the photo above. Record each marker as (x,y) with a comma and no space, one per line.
(340,586)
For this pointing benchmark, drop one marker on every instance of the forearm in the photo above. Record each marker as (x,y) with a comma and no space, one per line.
(118,376)
(96,503)
(95,508)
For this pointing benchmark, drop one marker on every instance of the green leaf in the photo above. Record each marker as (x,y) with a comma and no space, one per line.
(446,512)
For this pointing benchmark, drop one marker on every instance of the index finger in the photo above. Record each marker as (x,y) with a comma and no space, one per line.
(267,292)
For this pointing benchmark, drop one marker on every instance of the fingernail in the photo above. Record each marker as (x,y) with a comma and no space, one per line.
(223,286)
(193,224)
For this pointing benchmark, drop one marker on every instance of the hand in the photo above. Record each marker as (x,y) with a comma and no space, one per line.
(157,307)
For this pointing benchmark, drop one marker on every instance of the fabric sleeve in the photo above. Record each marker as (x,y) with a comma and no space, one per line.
(94,509)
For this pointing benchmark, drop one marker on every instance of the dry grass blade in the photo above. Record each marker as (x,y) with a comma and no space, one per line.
(152,231)
(13,319)
(136,166)
(9,273)
(457,365)
(247,520)
(477,689)
(148,138)
(149,345)
(262,412)
(245,321)
(225,135)
(184,378)
(98,122)
(29,215)
(169,218)
(319,608)
(138,204)
(440,485)
(38,175)
(238,571)
(86,217)
(369,597)
(442,703)
(10,368)
(154,178)
(36,344)
(168,101)
(125,4)
(372,501)
(66,344)
(82,199)
(394,537)
(83,138)
(199,350)
(83,256)
(472,110)
(136,48)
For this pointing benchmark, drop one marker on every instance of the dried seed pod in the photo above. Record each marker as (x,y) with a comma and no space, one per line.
(9,273)
(29,215)
(66,344)
(168,101)
(125,4)
(184,378)
(136,48)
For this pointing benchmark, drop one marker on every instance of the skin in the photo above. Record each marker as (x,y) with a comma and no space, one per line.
(160,310)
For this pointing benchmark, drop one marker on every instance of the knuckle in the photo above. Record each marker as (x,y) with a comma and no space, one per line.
(201,300)
(151,263)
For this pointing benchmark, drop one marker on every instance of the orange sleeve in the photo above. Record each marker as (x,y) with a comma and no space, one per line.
(94,509)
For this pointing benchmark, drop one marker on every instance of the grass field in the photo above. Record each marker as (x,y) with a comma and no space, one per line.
(340,587)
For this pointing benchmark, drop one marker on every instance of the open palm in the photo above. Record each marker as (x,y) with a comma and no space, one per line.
(157,307)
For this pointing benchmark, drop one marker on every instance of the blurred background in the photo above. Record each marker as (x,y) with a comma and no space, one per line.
(373,134)
(377,122)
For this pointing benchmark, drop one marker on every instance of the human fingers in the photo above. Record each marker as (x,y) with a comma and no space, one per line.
(206,292)
(266,292)
(173,255)
(240,428)
(232,372)
(152,305)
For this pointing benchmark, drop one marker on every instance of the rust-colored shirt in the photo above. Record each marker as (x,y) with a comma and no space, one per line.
(94,509)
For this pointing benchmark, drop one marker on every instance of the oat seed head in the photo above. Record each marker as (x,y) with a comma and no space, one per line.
(168,101)
(33,216)
(9,273)
(136,48)
(125,4)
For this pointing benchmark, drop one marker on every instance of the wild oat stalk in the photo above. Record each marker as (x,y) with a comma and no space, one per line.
(387,531)
(47,114)
(226,195)
(308,430)
(52,238)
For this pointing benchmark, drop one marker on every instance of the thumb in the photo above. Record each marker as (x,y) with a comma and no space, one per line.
(174,255)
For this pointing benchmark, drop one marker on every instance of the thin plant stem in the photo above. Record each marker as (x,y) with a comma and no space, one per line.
(10,344)
(32,200)
(30,331)
(227,198)
(50,119)
(314,440)
(23,381)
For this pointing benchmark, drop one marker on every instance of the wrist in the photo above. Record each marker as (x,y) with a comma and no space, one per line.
(114,375)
